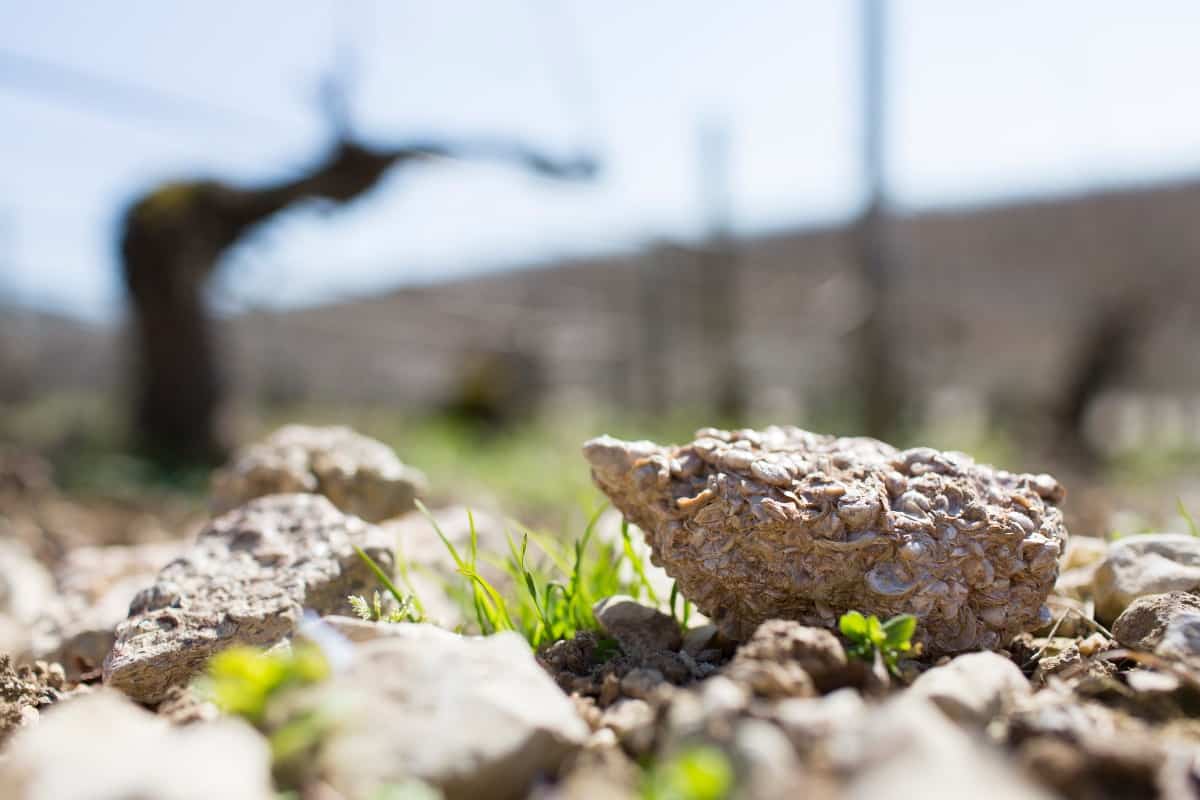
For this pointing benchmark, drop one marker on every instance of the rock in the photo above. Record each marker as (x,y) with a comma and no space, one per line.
(474,717)
(815,650)
(103,747)
(1145,564)
(95,587)
(773,680)
(811,721)
(644,684)
(907,750)
(359,475)
(19,699)
(1182,638)
(1067,616)
(632,721)
(1082,749)
(783,523)
(700,639)
(974,688)
(766,764)
(26,589)
(1144,623)
(1084,551)
(640,630)
(246,580)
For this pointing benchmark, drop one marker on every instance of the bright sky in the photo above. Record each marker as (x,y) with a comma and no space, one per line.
(988,100)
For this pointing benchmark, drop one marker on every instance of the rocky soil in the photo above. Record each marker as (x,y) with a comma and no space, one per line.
(1086,684)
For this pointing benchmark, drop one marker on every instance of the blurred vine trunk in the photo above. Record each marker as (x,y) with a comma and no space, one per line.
(172,242)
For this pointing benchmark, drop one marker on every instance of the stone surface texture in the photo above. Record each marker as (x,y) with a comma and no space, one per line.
(103,747)
(973,688)
(95,587)
(1167,624)
(815,650)
(641,630)
(360,475)
(783,523)
(1145,564)
(246,580)
(475,717)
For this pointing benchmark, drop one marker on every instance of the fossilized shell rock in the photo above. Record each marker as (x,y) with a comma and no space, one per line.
(247,580)
(359,475)
(783,523)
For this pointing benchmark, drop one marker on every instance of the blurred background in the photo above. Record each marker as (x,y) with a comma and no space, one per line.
(486,231)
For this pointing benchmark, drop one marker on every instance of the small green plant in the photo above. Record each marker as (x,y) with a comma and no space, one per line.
(251,683)
(243,680)
(868,636)
(701,772)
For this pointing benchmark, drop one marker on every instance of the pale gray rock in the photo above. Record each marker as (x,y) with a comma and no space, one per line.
(812,720)
(1167,624)
(973,688)
(95,587)
(783,523)
(25,585)
(640,630)
(103,747)
(247,580)
(474,717)
(632,721)
(1137,566)
(360,475)
(908,750)
(766,764)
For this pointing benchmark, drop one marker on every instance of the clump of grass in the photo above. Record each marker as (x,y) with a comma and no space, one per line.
(701,772)
(549,600)
(868,636)
(553,601)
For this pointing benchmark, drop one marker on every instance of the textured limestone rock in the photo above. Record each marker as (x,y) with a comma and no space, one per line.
(472,716)
(783,523)
(1145,564)
(359,475)
(247,580)
(95,587)
(23,691)
(103,747)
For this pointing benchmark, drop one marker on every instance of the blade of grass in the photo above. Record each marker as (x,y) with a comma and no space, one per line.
(638,565)
(380,574)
